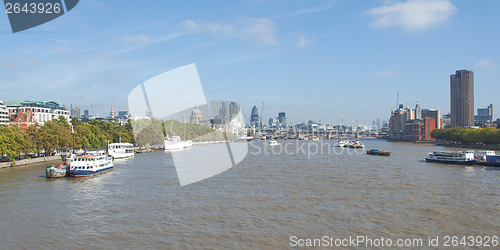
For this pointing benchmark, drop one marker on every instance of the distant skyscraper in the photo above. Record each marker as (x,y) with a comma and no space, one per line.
(282,119)
(86,113)
(462,98)
(379,125)
(75,112)
(234,109)
(254,118)
(418,111)
(123,114)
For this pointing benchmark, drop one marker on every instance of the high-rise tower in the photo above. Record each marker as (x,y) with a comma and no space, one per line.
(254,118)
(462,98)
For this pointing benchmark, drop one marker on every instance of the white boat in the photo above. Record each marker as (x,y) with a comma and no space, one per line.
(273,143)
(342,143)
(176,143)
(89,165)
(121,150)
(355,144)
(460,157)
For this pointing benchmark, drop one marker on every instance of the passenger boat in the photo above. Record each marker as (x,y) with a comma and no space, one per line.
(176,143)
(55,172)
(89,165)
(460,157)
(355,144)
(121,150)
(342,143)
(273,143)
(378,152)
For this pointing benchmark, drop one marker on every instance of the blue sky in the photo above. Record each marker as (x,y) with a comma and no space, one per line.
(321,60)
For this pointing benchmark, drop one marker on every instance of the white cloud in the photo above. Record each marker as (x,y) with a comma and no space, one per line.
(303,41)
(386,73)
(484,63)
(140,38)
(412,15)
(256,30)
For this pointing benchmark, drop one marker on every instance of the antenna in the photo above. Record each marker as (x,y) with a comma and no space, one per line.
(397,103)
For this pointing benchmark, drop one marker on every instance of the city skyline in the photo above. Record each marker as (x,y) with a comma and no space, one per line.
(334,61)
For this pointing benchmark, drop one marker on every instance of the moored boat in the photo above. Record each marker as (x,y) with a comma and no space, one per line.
(460,157)
(121,150)
(378,152)
(273,142)
(55,172)
(175,142)
(89,165)
(146,150)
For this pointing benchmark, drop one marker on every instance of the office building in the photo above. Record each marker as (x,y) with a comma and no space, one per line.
(462,98)
(254,117)
(485,114)
(75,112)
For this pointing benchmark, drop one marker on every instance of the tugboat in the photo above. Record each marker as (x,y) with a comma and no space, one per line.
(460,157)
(55,172)
(378,152)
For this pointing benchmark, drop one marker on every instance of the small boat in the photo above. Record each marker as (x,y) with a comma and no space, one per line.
(315,139)
(90,165)
(55,172)
(460,157)
(121,150)
(342,143)
(355,144)
(273,143)
(176,143)
(146,150)
(303,138)
(378,152)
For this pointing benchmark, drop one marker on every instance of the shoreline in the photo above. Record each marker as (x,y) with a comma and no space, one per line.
(27,162)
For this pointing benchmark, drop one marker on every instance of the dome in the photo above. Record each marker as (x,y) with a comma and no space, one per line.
(196,116)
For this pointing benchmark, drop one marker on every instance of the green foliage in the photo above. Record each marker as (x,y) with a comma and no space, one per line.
(468,135)
(96,134)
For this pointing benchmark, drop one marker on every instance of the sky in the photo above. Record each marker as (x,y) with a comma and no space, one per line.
(337,61)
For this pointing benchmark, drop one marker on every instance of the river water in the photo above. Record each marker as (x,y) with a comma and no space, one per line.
(260,203)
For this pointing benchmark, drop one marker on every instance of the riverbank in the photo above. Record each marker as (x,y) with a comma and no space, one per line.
(474,146)
(30,161)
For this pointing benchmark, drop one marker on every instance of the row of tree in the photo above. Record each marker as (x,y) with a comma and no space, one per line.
(59,133)
(468,135)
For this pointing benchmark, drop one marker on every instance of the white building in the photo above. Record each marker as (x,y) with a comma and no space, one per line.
(42,111)
(4,114)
